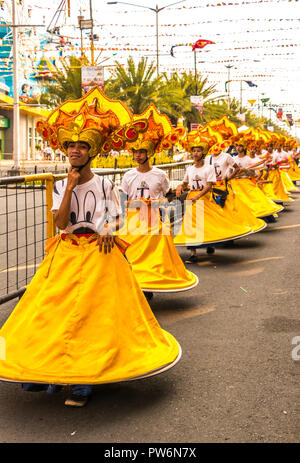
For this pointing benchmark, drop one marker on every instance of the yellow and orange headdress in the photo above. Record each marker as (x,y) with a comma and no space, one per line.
(224,126)
(203,136)
(159,135)
(218,147)
(103,123)
(194,140)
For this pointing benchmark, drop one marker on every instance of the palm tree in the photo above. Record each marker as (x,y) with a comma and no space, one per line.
(186,82)
(66,84)
(139,87)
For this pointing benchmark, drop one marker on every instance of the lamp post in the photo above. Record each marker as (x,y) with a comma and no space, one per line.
(241,95)
(195,65)
(156,11)
(16,114)
(81,18)
(92,34)
(228,66)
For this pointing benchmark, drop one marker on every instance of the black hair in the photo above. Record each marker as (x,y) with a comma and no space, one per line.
(66,143)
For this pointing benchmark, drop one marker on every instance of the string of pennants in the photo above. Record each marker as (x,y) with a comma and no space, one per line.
(183,7)
(152,49)
(253,44)
(225,33)
(196,23)
(6,62)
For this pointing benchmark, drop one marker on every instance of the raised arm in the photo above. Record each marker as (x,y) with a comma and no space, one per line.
(62,215)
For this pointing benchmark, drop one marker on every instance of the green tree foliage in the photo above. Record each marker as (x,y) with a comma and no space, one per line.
(66,84)
(138,87)
(187,83)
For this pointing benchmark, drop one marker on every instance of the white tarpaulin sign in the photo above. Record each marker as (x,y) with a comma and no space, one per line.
(91,76)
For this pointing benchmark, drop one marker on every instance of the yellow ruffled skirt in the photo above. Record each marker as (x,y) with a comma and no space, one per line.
(83,320)
(205,222)
(154,259)
(294,171)
(275,190)
(242,212)
(254,198)
(289,185)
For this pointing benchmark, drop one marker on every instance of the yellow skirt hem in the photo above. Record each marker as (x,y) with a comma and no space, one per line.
(157,367)
(176,289)
(204,243)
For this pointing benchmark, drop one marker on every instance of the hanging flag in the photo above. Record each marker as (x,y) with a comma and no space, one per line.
(201,43)
(251,84)
(265,100)
(171,51)
(251,102)
(279,113)
(178,45)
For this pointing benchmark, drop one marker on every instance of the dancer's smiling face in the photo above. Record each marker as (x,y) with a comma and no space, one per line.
(78,153)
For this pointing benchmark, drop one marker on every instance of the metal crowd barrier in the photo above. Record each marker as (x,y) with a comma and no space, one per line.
(26,221)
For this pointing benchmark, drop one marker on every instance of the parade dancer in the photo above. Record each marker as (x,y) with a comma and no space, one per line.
(248,192)
(83,320)
(205,222)
(152,254)
(275,190)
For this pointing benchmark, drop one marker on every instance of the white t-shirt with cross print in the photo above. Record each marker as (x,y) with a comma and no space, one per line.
(223,164)
(153,184)
(198,177)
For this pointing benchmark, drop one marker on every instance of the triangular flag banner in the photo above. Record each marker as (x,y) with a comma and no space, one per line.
(201,43)
(251,84)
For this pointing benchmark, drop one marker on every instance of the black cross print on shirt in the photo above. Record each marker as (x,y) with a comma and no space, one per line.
(197,180)
(143,187)
(218,170)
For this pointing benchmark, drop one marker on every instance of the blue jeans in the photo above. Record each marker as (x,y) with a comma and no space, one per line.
(77,389)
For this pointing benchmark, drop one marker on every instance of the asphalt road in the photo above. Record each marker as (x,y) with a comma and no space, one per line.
(237,380)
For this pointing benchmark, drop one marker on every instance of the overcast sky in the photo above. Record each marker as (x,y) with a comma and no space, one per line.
(260,39)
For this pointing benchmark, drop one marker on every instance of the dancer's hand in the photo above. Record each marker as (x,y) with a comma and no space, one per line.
(106,240)
(179,191)
(195,198)
(73,178)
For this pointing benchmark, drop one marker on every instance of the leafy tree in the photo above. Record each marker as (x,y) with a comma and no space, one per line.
(139,87)
(66,84)
(186,82)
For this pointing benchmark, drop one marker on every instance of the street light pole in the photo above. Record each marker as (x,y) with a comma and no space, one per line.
(92,34)
(241,95)
(80,18)
(157,57)
(156,11)
(16,113)
(195,62)
(228,66)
